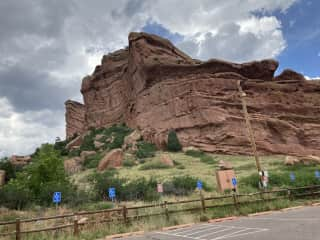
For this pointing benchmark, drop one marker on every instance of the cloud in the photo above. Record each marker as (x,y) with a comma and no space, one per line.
(22,132)
(47,47)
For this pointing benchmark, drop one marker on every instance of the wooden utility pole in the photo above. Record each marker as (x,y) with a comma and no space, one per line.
(248,125)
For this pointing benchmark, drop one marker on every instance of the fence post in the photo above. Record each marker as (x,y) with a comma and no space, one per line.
(75,225)
(289,195)
(166,211)
(235,200)
(203,203)
(125,213)
(18,229)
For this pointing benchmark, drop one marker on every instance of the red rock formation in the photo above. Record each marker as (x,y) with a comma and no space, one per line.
(155,87)
(75,118)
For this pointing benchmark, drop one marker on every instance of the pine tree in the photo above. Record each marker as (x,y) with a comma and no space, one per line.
(173,142)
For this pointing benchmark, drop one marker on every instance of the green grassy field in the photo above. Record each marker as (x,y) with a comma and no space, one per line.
(244,167)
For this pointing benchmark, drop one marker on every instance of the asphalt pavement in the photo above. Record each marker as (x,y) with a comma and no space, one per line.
(297,224)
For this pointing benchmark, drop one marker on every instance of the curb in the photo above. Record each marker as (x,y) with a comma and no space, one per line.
(122,235)
(222,219)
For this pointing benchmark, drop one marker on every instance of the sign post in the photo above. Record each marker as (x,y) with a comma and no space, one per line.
(292,177)
(56,198)
(112,193)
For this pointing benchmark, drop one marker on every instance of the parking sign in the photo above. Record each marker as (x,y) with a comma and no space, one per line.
(317,174)
(234,182)
(112,193)
(56,197)
(292,177)
(199,184)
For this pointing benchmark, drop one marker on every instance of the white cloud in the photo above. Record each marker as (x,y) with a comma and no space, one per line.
(23,132)
(312,78)
(64,40)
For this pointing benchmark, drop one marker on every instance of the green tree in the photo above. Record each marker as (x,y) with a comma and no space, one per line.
(39,180)
(173,144)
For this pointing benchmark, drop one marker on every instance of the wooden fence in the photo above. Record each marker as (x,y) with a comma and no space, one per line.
(74,223)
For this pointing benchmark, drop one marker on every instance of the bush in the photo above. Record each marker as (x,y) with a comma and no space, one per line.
(194,153)
(11,170)
(145,150)
(182,185)
(207,159)
(118,132)
(139,189)
(282,180)
(92,161)
(154,165)
(39,180)
(173,144)
(129,163)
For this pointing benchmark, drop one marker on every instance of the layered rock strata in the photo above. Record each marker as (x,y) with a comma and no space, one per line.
(154,87)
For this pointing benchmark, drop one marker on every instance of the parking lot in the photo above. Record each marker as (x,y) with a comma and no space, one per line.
(297,224)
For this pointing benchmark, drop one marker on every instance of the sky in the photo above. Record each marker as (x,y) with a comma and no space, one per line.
(47,47)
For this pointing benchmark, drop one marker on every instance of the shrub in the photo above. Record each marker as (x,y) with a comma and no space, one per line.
(173,144)
(145,150)
(138,189)
(129,163)
(118,132)
(11,170)
(195,153)
(39,180)
(207,159)
(182,185)
(154,165)
(92,161)
(61,146)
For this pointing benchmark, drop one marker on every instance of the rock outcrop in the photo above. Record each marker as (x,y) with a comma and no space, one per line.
(112,159)
(154,87)
(75,118)
(20,160)
(2,177)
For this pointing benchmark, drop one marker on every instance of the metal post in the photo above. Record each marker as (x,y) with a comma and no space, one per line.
(18,229)
(248,124)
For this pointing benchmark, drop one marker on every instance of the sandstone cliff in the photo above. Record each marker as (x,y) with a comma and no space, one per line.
(154,87)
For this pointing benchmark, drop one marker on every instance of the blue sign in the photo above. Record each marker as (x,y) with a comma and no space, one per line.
(234,182)
(317,174)
(112,193)
(199,184)
(56,197)
(292,177)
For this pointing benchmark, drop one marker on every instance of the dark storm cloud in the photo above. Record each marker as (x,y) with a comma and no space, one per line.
(32,90)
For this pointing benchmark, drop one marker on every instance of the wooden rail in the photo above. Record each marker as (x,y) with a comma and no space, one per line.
(122,214)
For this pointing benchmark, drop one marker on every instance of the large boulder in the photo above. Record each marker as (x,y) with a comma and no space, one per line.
(73,165)
(310,159)
(291,160)
(85,154)
(98,144)
(2,177)
(224,165)
(165,159)
(130,141)
(20,160)
(75,143)
(112,159)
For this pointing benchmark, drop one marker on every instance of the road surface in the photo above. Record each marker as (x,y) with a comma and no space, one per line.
(297,224)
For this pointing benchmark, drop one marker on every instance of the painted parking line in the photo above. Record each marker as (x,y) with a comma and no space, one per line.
(212,232)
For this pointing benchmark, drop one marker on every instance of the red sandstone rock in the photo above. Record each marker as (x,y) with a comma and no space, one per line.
(75,118)
(165,159)
(289,74)
(112,159)
(155,87)
(2,177)
(20,160)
